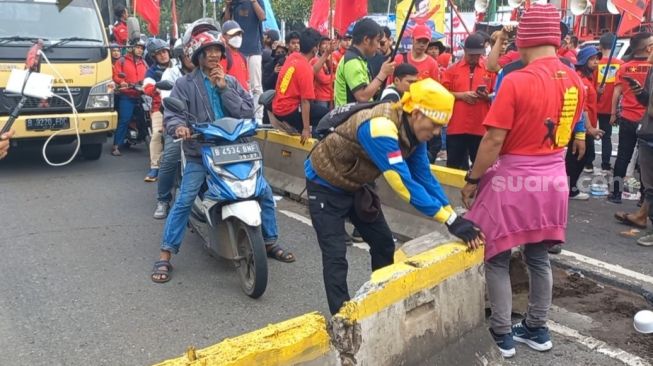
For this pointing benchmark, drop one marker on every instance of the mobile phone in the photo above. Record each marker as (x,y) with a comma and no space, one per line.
(481,89)
(632,82)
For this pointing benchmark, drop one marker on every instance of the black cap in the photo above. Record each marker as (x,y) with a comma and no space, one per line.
(475,44)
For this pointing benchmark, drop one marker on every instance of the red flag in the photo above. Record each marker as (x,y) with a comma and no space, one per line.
(150,11)
(634,7)
(320,16)
(628,22)
(175,27)
(348,11)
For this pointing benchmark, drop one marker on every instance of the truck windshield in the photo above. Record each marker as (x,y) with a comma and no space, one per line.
(43,19)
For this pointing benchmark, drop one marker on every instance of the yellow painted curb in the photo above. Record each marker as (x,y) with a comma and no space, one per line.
(415,274)
(300,339)
(446,176)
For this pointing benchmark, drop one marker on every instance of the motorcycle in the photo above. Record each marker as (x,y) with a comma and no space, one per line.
(139,129)
(226,213)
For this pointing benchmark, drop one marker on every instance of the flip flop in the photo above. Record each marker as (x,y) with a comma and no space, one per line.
(282,255)
(157,271)
(622,217)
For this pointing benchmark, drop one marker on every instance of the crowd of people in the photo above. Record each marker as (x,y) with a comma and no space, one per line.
(517,107)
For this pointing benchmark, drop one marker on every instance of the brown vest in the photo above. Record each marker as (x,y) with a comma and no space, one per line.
(341,160)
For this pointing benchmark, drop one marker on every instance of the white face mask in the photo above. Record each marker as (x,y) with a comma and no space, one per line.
(236,41)
(487,50)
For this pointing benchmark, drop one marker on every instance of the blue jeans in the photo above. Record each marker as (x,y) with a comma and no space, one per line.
(444,138)
(168,169)
(194,176)
(126,108)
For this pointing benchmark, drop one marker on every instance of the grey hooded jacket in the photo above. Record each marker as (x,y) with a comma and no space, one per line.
(190,89)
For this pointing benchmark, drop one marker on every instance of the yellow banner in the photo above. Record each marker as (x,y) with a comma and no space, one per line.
(429,12)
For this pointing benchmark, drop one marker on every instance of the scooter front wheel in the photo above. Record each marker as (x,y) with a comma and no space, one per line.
(253,265)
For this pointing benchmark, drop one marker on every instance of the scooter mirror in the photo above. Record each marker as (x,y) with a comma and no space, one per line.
(175,105)
(164,85)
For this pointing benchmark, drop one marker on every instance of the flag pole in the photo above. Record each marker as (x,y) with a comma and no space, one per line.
(403,28)
(614,47)
(330,20)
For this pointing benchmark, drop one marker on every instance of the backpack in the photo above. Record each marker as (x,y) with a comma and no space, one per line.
(339,115)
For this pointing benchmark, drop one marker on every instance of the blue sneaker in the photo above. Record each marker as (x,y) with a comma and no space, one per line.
(152,175)
(538,339)
(505,343)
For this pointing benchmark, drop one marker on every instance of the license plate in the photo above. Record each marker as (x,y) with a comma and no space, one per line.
(41,124)
(235,153)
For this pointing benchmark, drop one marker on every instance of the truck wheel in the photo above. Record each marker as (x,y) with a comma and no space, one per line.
(91,151)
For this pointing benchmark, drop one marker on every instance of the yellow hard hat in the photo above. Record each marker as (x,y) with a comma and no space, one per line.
(431,98)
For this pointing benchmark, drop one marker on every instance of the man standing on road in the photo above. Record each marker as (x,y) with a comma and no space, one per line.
(471,83)
(250,15)
(210,94)
(353,80)
(519,181)
(386,139)
(120,32)
(631,110)
(234,63)
(425,64)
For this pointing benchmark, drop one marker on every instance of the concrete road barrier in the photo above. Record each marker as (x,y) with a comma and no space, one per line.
(284,158)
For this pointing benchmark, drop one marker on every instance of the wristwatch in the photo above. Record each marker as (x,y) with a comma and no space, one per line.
(471,180)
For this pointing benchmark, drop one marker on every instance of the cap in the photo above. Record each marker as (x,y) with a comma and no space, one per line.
(422,32)
(230,28)
(539,26)
(475,44)
(272,34)
(350,31)
(430,98)
(586,53)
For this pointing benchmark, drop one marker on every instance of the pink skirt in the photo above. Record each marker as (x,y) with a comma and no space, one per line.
(522,200)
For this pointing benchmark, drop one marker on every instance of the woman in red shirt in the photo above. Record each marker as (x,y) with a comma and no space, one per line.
(586,65)
(324,74)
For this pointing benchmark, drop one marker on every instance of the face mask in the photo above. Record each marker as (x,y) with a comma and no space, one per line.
(487,50)
(236,42)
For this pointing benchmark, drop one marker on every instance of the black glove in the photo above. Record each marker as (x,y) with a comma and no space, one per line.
(464,229)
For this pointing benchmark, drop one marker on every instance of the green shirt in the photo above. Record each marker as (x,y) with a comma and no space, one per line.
(351,76)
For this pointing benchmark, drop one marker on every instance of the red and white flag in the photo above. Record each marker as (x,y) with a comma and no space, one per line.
(150,11)
(320,16)
(347,12)
(395,157)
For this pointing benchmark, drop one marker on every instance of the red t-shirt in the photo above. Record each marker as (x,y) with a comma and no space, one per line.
(590,99)
(238,68)
(604,105)
(295,83)
(324,81)
(568,54)
(637,69)
(468,118)
(120,33)
(427,68)
(509,57)
(544,89)
(337,55)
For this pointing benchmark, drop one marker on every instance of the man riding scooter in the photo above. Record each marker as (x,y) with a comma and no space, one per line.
(160,52)
(209,94)
(128,71)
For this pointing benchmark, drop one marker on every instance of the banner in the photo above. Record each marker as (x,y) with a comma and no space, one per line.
(150,11)
(320,16)
(428,12)
(270,21)
(347,12)
(628,22)
(634,7)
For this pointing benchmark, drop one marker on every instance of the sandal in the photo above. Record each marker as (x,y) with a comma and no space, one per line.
(161,275)
(115,152)
(277,252)
(623,218)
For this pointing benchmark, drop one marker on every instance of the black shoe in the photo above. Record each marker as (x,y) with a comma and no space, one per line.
(615,198)
(356,236)
(555,249)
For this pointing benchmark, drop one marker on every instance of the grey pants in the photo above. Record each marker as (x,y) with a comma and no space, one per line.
(646,169)
(499,290)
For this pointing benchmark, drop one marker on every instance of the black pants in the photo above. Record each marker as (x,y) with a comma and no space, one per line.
(606,141)
(590,153)
(460,148)
(295,118)
(574,168)
(627,143)
(434,146)
(328,210)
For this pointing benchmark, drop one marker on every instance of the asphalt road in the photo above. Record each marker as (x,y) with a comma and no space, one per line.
(78,244)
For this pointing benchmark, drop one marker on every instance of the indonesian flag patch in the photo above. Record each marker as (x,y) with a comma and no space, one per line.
(395,157)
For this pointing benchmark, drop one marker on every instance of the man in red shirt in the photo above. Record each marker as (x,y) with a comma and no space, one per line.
(631,110)
(345,43)
(235,63)
(120,32)
(426,65)
(295,88)
(605,93)
(324,74)
(471,83)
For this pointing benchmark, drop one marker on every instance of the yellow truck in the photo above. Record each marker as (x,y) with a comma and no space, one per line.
(77,47)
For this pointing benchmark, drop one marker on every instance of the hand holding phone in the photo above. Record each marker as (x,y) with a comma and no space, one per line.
(481,89)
